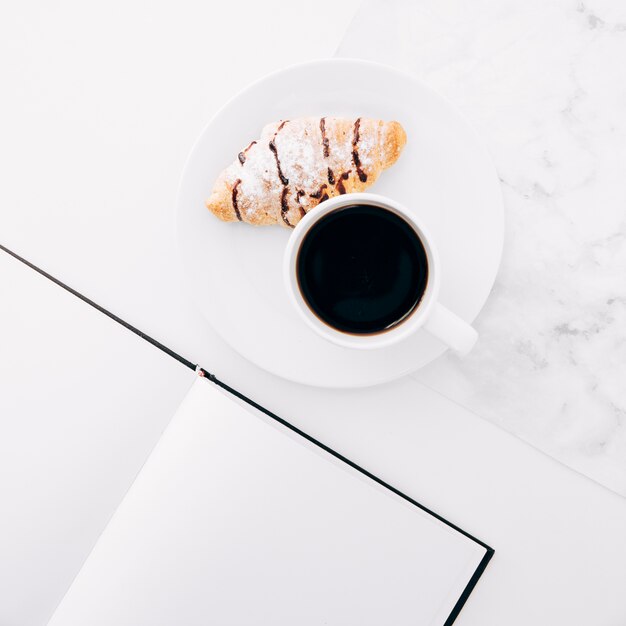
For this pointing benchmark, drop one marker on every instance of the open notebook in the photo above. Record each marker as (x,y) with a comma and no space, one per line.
(237,517)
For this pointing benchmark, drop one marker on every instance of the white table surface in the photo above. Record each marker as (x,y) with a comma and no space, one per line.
(100,112)
(82,403)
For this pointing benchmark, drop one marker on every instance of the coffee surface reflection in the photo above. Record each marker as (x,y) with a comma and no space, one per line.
(362,269)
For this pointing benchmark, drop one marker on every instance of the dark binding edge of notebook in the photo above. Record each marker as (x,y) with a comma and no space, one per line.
(489,552)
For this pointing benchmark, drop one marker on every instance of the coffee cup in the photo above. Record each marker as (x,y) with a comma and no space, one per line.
(363,272)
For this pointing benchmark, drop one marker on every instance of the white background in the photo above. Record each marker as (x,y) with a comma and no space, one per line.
(100,107)
(82,402)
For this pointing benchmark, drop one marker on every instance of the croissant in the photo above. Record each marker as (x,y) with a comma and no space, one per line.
(296,164)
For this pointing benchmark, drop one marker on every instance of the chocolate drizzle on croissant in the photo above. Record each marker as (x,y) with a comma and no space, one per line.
(272,145)
(318,194)
(325,141)
(242,155)
(341,188)
(234,198)
(298,163)
(355,153)
(284,207)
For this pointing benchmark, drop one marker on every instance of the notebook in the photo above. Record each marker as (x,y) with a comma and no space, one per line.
(237,517)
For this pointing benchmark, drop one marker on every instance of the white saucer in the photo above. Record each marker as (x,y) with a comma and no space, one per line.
(445,175)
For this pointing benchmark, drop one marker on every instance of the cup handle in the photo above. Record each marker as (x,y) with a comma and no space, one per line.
(451,329)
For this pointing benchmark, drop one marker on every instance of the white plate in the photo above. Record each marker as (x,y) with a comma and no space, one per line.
(444,174)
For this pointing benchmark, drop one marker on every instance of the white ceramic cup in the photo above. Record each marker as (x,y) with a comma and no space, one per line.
(428,314)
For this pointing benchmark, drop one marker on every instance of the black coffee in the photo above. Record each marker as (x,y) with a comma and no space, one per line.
(362,269)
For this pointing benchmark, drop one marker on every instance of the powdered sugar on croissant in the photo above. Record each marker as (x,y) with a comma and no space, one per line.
(296,164)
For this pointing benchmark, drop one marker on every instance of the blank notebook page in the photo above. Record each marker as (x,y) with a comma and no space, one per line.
(235,520)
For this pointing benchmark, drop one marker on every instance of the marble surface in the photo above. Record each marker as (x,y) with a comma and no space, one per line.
(544,83)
